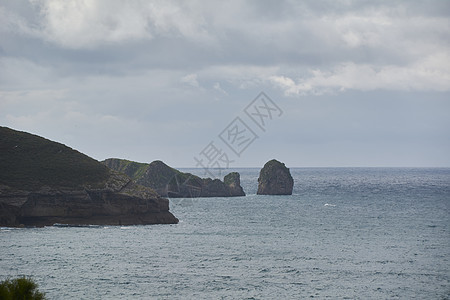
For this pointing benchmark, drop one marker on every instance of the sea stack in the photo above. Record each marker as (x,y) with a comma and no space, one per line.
(233,182)
(275,179)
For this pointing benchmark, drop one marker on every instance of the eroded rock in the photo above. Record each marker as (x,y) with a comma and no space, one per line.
(275,179)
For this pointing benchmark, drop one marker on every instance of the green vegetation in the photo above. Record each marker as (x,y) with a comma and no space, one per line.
(20,288)
(132,169)
(29,162)
(157,175)
(170,182)
(161,175)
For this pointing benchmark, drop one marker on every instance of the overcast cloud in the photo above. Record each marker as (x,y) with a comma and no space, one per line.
(360,83)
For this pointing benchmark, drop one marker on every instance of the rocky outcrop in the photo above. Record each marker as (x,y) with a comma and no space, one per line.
(233,182)
(169,182)
(43,183)
(275,179)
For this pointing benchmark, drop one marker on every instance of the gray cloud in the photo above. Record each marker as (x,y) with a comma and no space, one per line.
(167,76)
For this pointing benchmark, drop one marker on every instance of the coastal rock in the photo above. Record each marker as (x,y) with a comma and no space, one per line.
(44,182)
(233,182)
(170,182)
(275,179)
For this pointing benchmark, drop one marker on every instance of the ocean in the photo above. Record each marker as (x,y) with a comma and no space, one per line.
(345,233)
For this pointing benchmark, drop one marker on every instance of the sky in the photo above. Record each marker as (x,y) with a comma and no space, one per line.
(232,83)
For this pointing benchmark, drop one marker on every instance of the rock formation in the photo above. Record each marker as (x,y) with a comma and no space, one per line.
(233,181)
(275,179)
(169,182)
(44,182)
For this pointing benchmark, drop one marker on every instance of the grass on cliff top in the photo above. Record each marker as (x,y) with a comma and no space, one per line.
(29,162)
(155,175)
(134,170)
(161,175)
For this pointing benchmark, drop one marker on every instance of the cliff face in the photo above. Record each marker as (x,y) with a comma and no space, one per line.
(169,182)
(43,183)
(275,179)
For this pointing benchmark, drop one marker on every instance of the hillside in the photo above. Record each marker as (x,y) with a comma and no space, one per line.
(44,182)
(132,169)
(170,182)
(29,162)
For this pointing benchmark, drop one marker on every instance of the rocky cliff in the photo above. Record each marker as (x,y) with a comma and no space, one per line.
(169,182)
(44,182)
(275,179)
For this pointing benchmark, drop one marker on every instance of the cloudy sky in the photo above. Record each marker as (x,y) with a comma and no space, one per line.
(349,83)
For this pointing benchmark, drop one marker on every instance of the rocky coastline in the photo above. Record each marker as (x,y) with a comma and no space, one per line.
(43,182)
(170,182)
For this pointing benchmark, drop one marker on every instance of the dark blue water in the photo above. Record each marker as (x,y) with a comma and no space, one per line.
(344,233)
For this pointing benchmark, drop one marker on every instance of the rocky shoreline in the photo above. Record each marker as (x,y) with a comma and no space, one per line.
(124,204)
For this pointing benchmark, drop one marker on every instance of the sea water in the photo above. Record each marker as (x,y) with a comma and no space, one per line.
(345,233)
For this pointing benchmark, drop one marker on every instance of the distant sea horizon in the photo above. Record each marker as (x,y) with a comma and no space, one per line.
(322,167)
